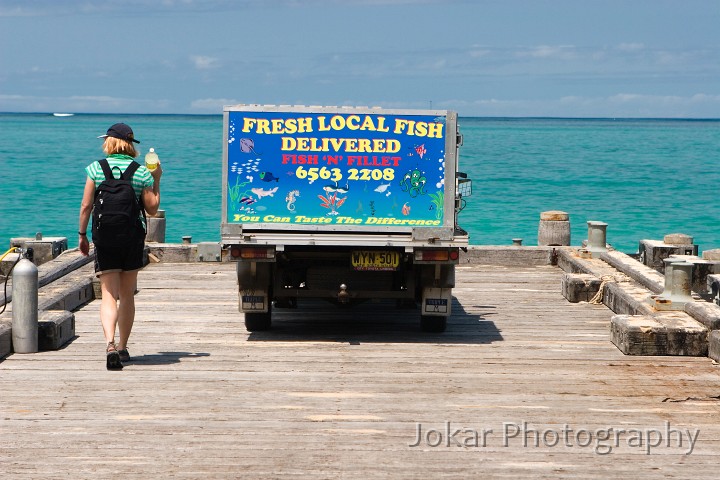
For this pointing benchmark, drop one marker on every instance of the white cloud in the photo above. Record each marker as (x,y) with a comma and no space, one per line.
(202,62)
(211,105)
(81,104)
(563,52)
(631,47)
(477,51)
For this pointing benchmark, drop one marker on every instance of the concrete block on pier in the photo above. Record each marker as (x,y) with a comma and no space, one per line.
(69,292)
(678,239)
(704,312)
(508,255)
(714,345)
(652,252)
(56,328)
(44,248)
(7,263)
(5,339)
(172,252)
(666,334)
(579,287)
(711,255)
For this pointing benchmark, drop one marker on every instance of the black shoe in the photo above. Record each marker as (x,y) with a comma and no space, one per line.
(124,355)
(113,358)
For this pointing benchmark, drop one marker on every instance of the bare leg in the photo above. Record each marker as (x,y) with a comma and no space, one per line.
(126,311)
(110,285)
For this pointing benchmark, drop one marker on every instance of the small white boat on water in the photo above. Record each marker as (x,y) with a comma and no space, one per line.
(63,114)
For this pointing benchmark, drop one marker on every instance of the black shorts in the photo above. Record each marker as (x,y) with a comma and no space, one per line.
(119,259)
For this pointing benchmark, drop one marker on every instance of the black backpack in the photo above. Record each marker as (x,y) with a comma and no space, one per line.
(116,210)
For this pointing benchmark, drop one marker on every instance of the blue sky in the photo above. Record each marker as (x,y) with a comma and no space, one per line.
(567,58)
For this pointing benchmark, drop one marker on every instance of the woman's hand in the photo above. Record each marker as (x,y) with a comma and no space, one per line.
(84,245)
(157,173)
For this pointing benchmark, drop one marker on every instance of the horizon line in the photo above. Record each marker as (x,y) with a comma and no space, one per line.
(489,117)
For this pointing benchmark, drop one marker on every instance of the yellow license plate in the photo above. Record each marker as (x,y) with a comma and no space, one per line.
(375,260)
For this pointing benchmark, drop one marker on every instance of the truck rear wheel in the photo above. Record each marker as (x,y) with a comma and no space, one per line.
(433,323)
(257,322)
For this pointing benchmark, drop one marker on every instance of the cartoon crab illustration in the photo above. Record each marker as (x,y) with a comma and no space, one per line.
(414,182)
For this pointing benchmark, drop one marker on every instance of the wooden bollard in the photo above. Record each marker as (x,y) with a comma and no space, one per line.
(554,229)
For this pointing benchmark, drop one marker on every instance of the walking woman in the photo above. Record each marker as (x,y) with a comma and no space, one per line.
(118,259)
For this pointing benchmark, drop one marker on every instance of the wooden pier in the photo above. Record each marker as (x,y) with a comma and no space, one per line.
(523,384)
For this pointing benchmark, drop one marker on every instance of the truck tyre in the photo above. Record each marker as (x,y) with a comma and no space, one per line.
(258,322)
(433,324)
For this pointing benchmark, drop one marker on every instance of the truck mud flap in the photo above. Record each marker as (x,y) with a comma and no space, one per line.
(437,301)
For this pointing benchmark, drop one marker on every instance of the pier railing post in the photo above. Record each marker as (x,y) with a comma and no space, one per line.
(554,228)
(681,282)
(597,237)
(156,227)
(667,291)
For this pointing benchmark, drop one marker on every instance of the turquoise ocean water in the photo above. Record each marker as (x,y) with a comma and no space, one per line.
(645,178)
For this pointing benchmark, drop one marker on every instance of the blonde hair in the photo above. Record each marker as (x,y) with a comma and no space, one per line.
(115,145)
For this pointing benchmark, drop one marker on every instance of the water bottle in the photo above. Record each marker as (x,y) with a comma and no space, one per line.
(151,160)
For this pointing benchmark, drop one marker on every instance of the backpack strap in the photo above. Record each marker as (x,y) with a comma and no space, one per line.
(130,171)
(127,176)
(106,168)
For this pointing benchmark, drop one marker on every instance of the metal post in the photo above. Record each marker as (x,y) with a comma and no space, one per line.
(667,292)
(681,282)
(597,232)
(25,307)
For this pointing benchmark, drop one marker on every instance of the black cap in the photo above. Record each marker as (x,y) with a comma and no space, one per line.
(121,131)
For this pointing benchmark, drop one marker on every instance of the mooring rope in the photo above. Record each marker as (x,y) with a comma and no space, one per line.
(604,280)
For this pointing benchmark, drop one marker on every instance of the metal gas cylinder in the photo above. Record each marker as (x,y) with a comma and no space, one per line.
(25,307)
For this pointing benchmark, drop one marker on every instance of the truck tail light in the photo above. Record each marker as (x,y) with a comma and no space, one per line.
(436,255)
(250,253)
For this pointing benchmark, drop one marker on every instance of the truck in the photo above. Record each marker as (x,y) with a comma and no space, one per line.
(344,204)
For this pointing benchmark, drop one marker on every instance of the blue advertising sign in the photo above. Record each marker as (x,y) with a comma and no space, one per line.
(335,169)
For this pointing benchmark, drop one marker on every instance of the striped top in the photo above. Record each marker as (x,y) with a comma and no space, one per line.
(142,178)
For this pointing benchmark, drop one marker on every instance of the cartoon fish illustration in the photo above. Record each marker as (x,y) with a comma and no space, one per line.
(406,209)
(382,188)
(268,177)
(247,200)
(264,193)
(343,190)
